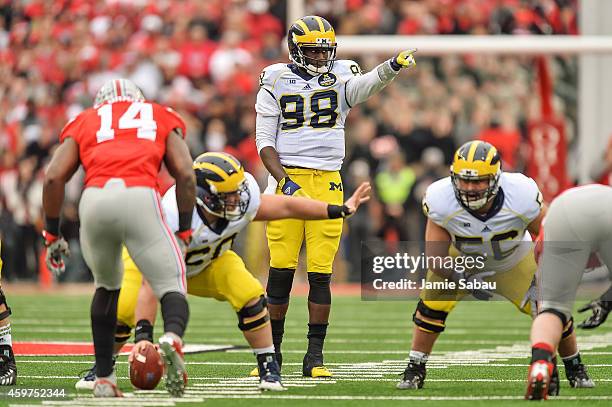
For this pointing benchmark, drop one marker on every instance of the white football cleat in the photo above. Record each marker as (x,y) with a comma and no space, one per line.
(172,354)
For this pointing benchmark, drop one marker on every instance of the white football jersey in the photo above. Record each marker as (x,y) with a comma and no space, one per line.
(312,112)
(497,236)
(208,244)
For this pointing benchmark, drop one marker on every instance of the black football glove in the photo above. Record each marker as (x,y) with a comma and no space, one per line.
(600,310)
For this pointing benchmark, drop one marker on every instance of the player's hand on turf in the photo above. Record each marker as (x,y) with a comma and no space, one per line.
(404,60)
(361,195)
(290,188)
(57,249)
(138,347)
(600,310)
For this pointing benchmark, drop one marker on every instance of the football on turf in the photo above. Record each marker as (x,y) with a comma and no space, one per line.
(147,368)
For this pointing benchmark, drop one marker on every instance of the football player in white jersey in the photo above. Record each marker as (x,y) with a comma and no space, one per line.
(228,199)
(578,223)
(480,210)
(301,110)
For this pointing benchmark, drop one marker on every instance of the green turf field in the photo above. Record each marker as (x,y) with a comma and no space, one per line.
(481,359)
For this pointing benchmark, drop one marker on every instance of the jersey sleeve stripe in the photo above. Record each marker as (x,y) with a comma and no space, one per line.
(271,94)
(345,94)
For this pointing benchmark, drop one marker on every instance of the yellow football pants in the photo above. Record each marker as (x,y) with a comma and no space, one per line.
(512,285)
(225,279)
(285,236)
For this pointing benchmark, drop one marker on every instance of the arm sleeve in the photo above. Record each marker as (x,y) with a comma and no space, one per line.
(266,123)
(361,87)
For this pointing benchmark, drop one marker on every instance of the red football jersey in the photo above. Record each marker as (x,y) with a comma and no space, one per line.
(123,140)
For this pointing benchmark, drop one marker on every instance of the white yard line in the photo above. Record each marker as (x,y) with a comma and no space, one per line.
(245,387)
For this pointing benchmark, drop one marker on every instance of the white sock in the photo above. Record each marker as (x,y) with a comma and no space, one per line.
(5,335)
(259,351)
(418,357)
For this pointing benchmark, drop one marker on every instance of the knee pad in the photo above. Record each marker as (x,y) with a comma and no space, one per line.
(254,317)
(6,313)
(279,285)
(319,292)
(559,314)
(144,331)
(568,328)
(425,321)
(122,333)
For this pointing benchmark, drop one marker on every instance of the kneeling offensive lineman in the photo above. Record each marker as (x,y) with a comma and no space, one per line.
(578,223)
(228,199)
(482,210)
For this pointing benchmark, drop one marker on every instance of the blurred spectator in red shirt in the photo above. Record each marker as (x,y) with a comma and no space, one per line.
(196,52)
(506,138)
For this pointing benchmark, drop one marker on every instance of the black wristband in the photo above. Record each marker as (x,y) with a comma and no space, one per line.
(394,65)
(337,211)
(184,221)
(52,226)
(144,331)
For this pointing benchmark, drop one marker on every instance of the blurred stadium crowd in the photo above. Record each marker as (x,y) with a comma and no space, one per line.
(203,59)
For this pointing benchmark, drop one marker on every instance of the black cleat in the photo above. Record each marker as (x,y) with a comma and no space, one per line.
(8,366)
(269,373)
(578,377)
(413,377)
(313,366)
